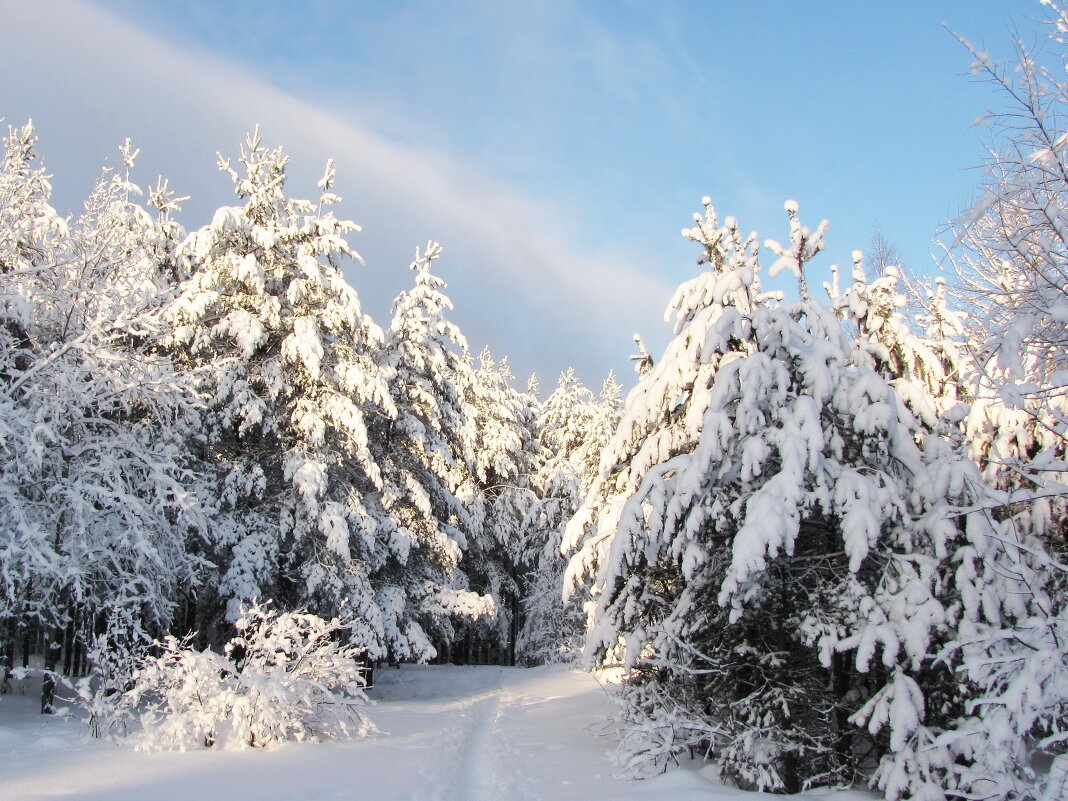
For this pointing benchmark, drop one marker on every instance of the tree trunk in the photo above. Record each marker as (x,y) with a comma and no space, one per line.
(840,685)
(48,683)
(68,647)
(7,657)
(513,629)
(790,779)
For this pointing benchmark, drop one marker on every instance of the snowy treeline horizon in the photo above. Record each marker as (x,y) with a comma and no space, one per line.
(823,537)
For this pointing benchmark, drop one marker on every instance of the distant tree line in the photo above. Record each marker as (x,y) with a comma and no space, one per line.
(191,423)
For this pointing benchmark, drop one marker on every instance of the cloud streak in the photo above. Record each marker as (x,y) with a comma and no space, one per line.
(519,281)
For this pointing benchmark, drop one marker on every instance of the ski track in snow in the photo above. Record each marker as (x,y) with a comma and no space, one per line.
(475,771)
(481,748)
(476,766)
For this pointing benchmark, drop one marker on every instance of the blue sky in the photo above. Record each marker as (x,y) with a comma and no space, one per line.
(554,148)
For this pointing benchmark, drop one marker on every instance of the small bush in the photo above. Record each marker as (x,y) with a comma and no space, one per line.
(285,676)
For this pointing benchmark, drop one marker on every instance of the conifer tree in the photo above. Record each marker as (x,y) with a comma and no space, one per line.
(28,226)
(607,411)
(1013,641)
(932,361)
(572,428)
(776,543)
(304,516)
(503,449)
(424,452)
(1007,647)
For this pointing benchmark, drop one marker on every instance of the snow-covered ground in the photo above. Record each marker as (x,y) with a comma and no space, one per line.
(445,734)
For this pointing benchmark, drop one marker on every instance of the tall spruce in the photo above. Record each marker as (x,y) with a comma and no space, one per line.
(425,455)
(572,428)
(504,445)
(304,515)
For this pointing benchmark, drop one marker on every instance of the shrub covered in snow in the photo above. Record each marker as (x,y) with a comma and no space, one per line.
(286,676)
(102,693)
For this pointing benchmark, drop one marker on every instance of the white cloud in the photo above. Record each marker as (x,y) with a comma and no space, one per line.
(520,282)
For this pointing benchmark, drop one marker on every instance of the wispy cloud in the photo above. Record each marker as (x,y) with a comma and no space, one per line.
(519,282)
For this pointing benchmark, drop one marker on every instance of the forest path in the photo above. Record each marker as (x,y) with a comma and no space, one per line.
(445,733)
(479,779)
(469,722)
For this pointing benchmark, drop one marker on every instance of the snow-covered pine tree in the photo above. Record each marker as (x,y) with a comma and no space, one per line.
(28,222)
(551,632)
(1001,357)
(96,502)
(573,427)
(566,416)
(425,456)
(1010,654)
(1014,641)
(279,342)
(504,447)
(932,361)
(607,411)
(1014,655)
(773,544)
(28,226)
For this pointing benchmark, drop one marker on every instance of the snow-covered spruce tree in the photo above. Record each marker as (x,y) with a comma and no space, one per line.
(278,340)
(573,427)
(96,506)
(607,411)
(424,453)
(774,546)
(1012,655)
(551,632)
(503,447)
(28,225)
(928,368)
(1010,650)
(1016,642)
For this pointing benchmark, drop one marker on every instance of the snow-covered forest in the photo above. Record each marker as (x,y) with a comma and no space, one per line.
(820,543)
